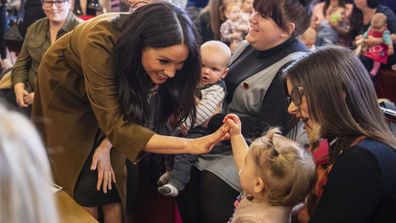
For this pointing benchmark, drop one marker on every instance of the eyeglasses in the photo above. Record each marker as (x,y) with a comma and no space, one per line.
(49,4)
(295,96)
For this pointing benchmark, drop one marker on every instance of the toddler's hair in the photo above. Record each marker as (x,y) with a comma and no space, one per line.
(286,167)
(379,19)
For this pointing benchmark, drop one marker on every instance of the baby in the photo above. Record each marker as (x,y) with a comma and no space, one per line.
(234,29)
(378,53)
(215,57)
(309,38)
(275,173)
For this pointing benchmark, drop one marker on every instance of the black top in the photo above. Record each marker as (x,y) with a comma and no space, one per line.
(273,111)
(361,187)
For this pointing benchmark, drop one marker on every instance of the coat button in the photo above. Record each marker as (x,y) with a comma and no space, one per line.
(245,86)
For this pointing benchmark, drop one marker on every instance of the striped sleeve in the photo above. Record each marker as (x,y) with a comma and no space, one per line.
(210,104)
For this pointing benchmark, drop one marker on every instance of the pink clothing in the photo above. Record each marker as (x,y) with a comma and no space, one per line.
(378,52)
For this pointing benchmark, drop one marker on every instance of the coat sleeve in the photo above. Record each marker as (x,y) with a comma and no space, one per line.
(22,65)
(96,54)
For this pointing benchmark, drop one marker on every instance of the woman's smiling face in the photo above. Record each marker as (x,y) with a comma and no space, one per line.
(163,63)
(264,33)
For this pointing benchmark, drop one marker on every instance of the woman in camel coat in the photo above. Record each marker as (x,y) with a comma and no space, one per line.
(120,77)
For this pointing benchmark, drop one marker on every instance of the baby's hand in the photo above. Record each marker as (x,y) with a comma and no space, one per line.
(234,123)
(390,50)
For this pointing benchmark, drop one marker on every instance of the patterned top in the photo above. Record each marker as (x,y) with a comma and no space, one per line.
(228,28)
(210,104)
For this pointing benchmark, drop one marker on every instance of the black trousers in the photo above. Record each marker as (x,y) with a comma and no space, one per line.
(206,199)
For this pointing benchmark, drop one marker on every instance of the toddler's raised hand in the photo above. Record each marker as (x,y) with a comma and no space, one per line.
(234,123)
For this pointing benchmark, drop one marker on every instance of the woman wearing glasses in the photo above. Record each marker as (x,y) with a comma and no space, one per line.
(332,93)
(256,95)
(39,37)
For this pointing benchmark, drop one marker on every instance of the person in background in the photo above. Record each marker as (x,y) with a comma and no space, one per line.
(210,20)
(362,13)
(215,57)
(116,76)
(378,53)
(309,38)
(25,174)
(40,36)
(256,94)
(233,30)
(276,174)
(342,107)
(246,9)
(330,19)
(390,4)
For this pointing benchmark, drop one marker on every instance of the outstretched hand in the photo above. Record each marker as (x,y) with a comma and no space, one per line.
(101,162)
(206,143)
(233,124)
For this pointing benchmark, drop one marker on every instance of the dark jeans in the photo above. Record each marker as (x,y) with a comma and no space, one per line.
(206,199)
(180,173)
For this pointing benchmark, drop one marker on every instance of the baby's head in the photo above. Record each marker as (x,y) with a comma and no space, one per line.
(232,11)
(277,170)
(308,38)
(215,57)
(378,22)
(247,6)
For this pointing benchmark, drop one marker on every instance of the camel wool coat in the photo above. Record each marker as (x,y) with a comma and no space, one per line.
(77,96)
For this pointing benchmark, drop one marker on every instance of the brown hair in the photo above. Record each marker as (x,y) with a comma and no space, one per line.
(216,12)
(286,11)
(285,166)
(340,96)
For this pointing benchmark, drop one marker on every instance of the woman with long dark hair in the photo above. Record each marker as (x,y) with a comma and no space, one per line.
(129,78)
(332,93)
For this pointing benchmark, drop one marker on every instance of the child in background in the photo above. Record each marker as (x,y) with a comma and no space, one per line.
(246,11)
(234,29)
(215,57)
(309,39)
(330,21)
(276,173)
(378,53)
